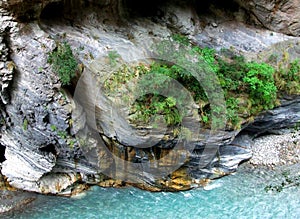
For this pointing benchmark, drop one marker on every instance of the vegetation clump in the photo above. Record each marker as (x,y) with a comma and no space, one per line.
(249,87)
(25,124)
(63,62)
(287,78)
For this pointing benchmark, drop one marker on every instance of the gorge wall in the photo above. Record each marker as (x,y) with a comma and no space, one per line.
(42,123)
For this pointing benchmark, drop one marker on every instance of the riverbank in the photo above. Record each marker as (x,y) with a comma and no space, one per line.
(241,195)
(270,152)
(276,150)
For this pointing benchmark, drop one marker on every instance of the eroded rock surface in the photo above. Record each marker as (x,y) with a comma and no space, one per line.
(287,115)
(44,150)
(279,16)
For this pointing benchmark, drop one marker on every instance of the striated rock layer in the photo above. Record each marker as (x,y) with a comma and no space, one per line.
(49,137)
(279,16)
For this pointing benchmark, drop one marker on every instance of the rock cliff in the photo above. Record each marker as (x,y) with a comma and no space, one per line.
(279,16)
(49,142)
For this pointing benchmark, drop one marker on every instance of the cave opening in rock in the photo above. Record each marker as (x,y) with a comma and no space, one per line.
(67,9)
(206,6)
(136,8)
(2,153)
(50,148)
(154,8)
(53,10)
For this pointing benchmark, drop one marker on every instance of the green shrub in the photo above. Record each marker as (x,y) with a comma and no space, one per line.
(63,62)
(53,128)
(250,81)
(232,106)
(231,74)
(208,56)
(262,89)
(288,78)
(113,57)
(150,106)
(62,134)
(249,87)
(293,73)
(181,39)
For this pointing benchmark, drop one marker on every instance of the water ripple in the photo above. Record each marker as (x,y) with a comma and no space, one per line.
(238,196)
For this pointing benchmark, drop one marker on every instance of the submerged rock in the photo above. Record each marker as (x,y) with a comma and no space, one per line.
(13,201)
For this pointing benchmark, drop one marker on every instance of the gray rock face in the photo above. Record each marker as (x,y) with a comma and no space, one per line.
(279,16)
(243,38)
(48,134)
(282,117)
(34,105)
(6,69)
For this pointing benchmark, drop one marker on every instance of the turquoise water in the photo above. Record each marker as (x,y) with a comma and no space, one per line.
(237,196)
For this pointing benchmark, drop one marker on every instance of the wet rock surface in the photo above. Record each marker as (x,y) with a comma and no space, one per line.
(14,201)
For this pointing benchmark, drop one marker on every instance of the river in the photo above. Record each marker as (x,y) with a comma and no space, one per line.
(241,195)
